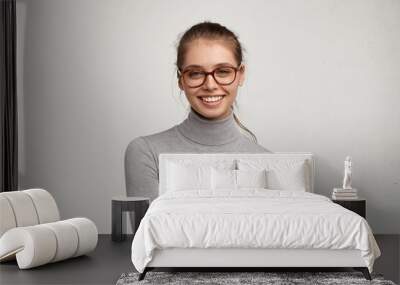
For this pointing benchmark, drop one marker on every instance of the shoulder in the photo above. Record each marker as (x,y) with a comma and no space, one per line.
(137,150)
(146,144)
(160,136)
(137,144)
(253,146)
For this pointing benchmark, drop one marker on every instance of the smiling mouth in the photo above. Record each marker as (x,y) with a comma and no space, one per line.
(211,99)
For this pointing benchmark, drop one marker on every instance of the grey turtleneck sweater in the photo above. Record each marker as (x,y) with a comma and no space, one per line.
(195,134)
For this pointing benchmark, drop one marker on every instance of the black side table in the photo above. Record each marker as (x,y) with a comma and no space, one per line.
(120,204)
(358,206)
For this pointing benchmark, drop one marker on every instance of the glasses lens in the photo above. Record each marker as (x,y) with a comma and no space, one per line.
(194,77)
(225,75)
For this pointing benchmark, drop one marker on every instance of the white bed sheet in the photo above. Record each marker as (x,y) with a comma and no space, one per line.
(250,218)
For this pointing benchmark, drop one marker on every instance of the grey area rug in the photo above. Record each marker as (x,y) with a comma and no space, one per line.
(229,278)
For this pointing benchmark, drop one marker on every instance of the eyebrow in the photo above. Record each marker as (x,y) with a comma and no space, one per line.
(218,64)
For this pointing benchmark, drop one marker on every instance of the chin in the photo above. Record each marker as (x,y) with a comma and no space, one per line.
(213,113)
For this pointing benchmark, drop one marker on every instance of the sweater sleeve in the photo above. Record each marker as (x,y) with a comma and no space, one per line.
(141,170)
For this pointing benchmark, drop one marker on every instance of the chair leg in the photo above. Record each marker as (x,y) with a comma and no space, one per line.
(364,271)
(143,274)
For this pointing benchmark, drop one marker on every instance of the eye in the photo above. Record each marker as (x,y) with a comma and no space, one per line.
(225,71)
(195,73)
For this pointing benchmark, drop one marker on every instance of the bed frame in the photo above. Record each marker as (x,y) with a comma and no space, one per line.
(248,259)
(243,259)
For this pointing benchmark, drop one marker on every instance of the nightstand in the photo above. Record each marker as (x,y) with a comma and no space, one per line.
(358,206)
(120,204)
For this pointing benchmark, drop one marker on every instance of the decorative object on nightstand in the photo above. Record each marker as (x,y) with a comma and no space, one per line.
(346,192)
(347,173)
(120,204)
(358,205)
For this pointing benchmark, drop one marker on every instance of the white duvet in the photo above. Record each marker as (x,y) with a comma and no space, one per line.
(250,218)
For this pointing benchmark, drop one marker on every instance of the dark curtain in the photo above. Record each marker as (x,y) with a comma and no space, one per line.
(8,119)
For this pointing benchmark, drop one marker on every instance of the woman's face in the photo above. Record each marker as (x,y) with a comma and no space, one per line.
(207,55)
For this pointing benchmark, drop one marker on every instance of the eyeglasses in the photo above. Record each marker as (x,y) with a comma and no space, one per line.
(196,77)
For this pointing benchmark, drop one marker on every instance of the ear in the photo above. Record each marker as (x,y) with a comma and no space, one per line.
(241,74)
(180,84)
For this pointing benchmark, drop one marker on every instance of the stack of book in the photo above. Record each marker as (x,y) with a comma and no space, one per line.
(344,194)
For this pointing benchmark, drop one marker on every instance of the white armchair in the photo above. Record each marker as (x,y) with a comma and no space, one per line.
(31,231)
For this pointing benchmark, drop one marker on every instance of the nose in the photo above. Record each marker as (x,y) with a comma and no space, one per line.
(210,82)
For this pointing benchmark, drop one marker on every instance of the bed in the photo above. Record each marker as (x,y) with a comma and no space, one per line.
(244,210)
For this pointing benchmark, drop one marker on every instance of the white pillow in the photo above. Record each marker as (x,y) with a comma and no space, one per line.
(256,178)
(281,174)
(184,177)
(236,179)
(223,179)
(287,178)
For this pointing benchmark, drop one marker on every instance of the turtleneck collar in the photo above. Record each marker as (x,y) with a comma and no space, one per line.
(209,132)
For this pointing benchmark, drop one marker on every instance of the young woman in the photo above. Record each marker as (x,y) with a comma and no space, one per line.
(210,71)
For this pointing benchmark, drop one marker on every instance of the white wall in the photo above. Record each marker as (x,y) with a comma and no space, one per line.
(323,76)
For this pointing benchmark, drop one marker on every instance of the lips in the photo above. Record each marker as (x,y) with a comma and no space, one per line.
(201,96)
(211,104)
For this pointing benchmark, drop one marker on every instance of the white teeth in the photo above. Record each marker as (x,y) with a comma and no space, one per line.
(211,98)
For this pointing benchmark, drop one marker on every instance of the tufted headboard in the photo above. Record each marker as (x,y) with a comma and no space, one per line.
(231,161)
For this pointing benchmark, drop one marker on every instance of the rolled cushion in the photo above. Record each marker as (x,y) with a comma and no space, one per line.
(45,205)
(24,211)
(40,244)
(32,245)
(66,237)
(7,220)
(27,208)
(87,234)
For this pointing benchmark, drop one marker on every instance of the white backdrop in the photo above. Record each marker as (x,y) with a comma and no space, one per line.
(322,76)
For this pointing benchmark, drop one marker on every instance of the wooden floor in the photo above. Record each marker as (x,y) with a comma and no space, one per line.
(110,259)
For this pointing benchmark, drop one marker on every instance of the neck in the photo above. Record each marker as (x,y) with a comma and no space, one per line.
(207,131)
(208,119)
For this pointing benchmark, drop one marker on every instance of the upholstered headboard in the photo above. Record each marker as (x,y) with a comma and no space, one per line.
(231,160)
